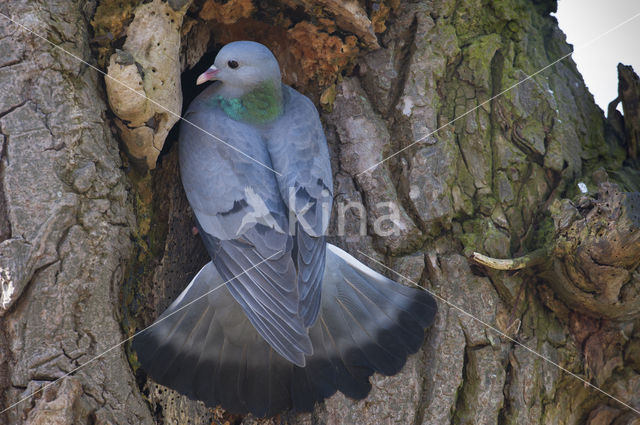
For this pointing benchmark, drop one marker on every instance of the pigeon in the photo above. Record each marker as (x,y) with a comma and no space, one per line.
(279,319)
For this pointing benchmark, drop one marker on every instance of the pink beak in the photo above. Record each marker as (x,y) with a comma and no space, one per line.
(208,75)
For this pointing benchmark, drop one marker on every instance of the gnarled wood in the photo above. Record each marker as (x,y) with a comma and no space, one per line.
(482,183)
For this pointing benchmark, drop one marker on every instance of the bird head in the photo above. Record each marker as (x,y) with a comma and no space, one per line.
(241,66)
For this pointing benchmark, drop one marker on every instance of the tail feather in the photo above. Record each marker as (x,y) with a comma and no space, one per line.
(388,310)
(178,369)
(210,351)
(303,391)
(207,364)
(257,385)
(350,376)
(377,355)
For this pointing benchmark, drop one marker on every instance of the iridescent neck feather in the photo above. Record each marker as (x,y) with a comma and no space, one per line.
(261,105)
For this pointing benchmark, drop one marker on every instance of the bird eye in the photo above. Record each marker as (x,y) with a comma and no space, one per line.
(232,64)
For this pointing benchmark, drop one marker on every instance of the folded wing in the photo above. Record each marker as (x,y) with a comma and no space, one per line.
(243,222)
(298,149)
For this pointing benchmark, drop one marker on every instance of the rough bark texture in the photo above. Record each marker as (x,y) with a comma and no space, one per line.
(629,89)
(596,254)
(501,179)
(67,216)
(149,64)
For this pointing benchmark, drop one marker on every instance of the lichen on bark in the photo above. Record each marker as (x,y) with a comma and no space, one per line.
(498,177)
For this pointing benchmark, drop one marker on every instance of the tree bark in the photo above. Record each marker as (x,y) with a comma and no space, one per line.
(67,217)
(92,249)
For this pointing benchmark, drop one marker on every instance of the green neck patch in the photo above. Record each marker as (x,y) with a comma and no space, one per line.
(260,106)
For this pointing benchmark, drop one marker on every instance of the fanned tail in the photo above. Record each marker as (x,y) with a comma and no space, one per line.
(210,351)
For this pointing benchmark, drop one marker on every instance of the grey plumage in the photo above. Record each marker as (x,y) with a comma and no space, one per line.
(297,318)
(211,352)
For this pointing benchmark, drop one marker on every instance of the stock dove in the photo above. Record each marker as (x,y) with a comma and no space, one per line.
(281,319)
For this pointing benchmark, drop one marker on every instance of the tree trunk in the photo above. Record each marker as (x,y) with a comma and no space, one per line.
(66,220)
(92,249)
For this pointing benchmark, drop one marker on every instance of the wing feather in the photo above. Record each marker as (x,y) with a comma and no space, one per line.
(242,220)
(299,152)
